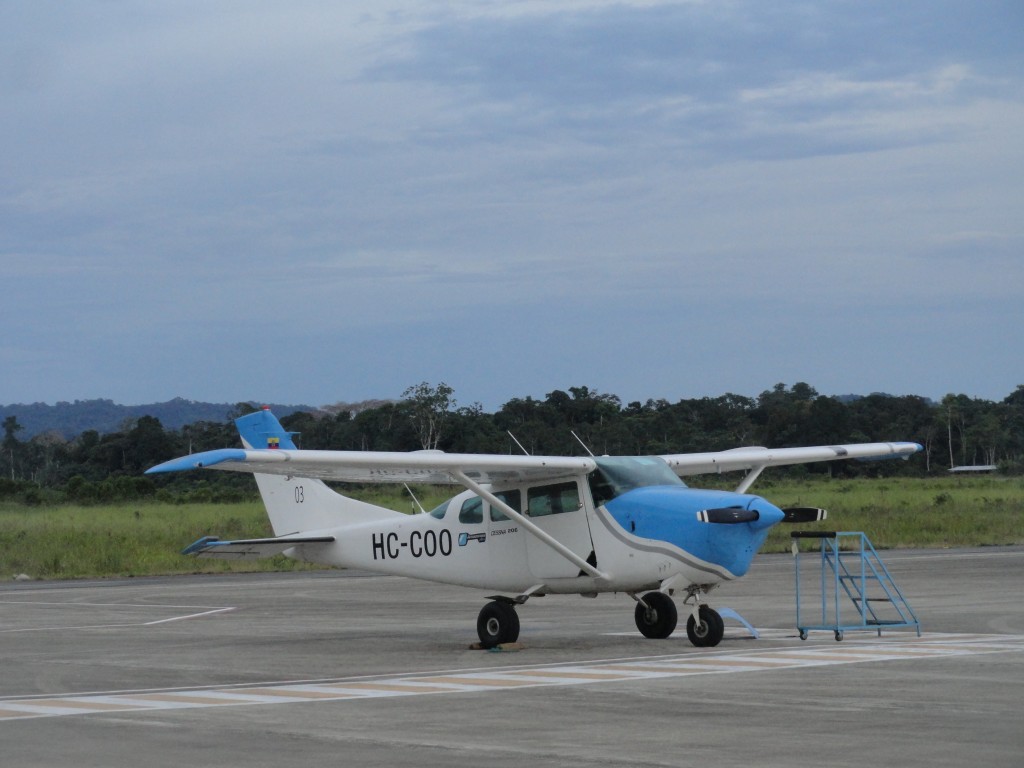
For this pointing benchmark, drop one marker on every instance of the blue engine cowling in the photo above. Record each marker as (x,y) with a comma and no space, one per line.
(669,513)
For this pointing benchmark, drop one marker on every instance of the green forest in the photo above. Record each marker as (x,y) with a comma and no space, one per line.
(93,468)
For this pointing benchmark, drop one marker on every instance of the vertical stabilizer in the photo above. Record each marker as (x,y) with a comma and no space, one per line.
(296,504)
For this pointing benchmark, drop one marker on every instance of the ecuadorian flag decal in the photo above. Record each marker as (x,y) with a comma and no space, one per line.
(273,442)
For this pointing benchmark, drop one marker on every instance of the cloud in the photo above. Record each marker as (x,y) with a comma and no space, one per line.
(316,177)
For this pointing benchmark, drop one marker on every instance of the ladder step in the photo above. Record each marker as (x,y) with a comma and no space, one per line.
(858,577)
(894,622)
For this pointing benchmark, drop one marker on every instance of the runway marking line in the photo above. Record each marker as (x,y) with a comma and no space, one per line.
(212,698)
(294,693)
(571,674)
(398,686)
(111,625)
(581,673)
(489,682)
(93,706)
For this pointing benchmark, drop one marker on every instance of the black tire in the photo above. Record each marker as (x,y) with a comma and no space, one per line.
(658,620)
(498,623)
(709,631)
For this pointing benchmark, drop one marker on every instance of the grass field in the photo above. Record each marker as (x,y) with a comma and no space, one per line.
(145,539)
(909,512)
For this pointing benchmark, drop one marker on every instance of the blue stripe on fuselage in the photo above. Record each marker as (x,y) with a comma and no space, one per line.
(669,514)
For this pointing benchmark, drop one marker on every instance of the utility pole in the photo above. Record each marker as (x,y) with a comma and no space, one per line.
(949,430)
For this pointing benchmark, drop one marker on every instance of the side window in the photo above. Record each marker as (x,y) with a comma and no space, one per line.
(553,499)
(513,498)
(472,511)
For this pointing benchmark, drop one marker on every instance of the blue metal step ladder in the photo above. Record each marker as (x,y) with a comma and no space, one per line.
(850,567)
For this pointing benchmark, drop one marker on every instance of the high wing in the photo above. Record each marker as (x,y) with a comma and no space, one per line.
(437,467)
(756,459)
(433,467)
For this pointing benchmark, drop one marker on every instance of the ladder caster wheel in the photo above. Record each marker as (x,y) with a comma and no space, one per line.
(803,634)
(839,635)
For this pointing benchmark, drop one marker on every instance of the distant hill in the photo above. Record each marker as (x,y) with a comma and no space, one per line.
(72,419)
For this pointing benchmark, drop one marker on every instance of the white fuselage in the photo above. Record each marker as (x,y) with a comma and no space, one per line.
(468,544)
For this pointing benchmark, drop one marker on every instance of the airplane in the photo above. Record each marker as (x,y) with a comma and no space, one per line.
(524,526)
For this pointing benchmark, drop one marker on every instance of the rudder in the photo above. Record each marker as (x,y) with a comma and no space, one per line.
(296,504)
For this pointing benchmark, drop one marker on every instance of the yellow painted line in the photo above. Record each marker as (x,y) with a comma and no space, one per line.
(675,670)
(808,656)
(184,698)
(746,663)
(10,714)
(944,648)
(295,693)
(569,675)
(644,668)
(398,686)
(855,650)
(93,706)
(495,682)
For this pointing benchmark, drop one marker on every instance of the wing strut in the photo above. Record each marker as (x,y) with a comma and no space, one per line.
(749,478)
(530,526)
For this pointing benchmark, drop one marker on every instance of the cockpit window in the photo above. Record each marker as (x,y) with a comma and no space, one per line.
(615,476)
(512,498)
(553,499)
(472,511)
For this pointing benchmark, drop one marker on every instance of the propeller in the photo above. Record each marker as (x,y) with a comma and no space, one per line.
(803,515)
(728,515)
(731,515)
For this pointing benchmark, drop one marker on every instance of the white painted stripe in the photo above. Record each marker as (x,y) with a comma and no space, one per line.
(466,681)
(117,625)
(189,616)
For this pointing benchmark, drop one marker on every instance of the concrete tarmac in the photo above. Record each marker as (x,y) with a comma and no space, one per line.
(345,668)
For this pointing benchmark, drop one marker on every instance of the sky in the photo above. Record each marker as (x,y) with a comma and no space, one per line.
(321,202)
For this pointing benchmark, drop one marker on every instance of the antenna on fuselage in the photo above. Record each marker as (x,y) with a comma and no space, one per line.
(509,431)
(578,440)
(422,510)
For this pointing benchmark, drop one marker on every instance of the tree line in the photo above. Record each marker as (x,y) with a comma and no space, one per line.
(95,468)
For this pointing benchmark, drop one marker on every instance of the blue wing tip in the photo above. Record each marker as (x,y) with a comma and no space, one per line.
(198,546)
(198,460)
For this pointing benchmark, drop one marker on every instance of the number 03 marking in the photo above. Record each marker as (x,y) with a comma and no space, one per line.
(300,495)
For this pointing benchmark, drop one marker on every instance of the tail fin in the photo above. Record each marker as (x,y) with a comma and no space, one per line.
(295,504)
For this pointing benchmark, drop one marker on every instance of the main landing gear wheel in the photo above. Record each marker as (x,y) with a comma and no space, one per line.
(497,623)
(658,619)
(708,632)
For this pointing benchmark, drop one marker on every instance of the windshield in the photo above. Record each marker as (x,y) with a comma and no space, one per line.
(616,475)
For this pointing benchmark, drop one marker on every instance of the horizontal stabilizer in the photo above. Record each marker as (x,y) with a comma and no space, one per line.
(804,515)
(211,546)
(728,515)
